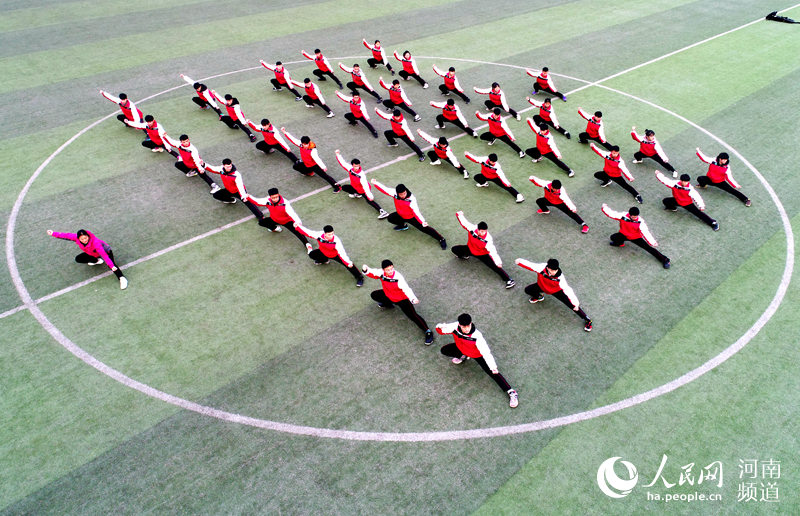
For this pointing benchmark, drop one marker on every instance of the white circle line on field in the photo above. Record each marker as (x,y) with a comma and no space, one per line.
(400,436)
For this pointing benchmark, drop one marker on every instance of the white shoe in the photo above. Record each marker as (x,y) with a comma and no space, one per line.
(383,214)
(571,173)
(519,117)
(98,262)
(484,185)
(310,106)
(354,196)
(466,174)
(331,115)
(492,142)
(123,283)
(520,198)
(675,175)
(417,118)
(425,86)
(438,126)
(474,134)
(191,173)
(459,360)
(636,161)
(536,160)
(214,189)
(437,162)
(521,154)
(510,283)
(156,149)
(391,144)
(277,229)
(309,248)
(513,398)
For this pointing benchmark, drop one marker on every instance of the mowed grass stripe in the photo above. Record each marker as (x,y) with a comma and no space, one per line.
(32,70)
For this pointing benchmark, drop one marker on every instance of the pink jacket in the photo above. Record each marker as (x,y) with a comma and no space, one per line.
(95,247)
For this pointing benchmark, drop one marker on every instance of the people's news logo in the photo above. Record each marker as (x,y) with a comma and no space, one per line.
(758,481)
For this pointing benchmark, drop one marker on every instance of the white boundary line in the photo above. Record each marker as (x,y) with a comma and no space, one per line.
(405,436)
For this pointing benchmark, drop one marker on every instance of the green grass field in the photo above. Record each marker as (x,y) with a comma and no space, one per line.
(240,322)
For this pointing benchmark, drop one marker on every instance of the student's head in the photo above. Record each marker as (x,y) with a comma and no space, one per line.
(184,140)
(328,230)
(492,158)
(552,265)
(317,51)
(649,134)
(465,321)
(395,83)
(228,97)
(483,228)
(227,164)
(149,119)
(548,101)
(265,122)
(614,151)
(545,69)
(555,185)
(305,140)
(406,54)
(377,42)
(443,141)
(356,162)
(355,95)
(122,96)
(387,266)
(83,236)
(685,178)
(274,194)
(307,80)
(278,63)
(634,212)
(402,191)
(452,69)
(495,86)
(722,158)
(598,114)
(543,127)
(396,113)
(197,86)
(451,102)
(496,111)
(356,67)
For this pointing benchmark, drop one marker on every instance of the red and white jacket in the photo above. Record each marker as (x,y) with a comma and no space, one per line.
(450,112)
(550,115)
(497,125)
(400,127)
(549,284)
(471,344)
(357,108)
(716,173)
(377,53)
(155,132)
(281,212)
(684,195)
(632,229)
(593,127)
(232,181)
(451,82)
(312,90)
(396,93)
(282,75)
(310,156)
(330,248)
(498,98)
(441,153)
(395,286)
(409,65)
(234,111)
(612,167)
(488,171)
(543,78)
(358,179)
(359,78)
(205,95)
(189,154)
(322,63)
(407,208)
(544,142)
(551,195)
(478,245)
(128,108)
(270,134)
(649,148)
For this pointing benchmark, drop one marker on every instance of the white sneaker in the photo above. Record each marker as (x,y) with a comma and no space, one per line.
(636,161)
(519,117)
(123,283)
(521,154)
(191,173)
(383,214)
(520,198)
(331,115)
(571,173)
(459,360)
(492,142)
(309,106)
(438,126)
(425,86)
(214,189)
(354,196)
(437,162)
(484,185)
(98,262)
(309,248)
(277,229)
(513,398)
(510,283)
(466,174)
(474,134)
(536,160)
(417,118)
(675,175)
(156,149)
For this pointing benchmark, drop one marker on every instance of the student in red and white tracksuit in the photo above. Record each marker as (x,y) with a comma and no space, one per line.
(156,135)
(359,80)
(451,84)
(397,98)
(497,99)
(555,195)
(544,82)
(547,115)
(407,211)
(409,68)
(633,228)
(452,114)
(546,147)
(235,119)
(685,196)
(280,212)
(203,97)
(614,169)
(358,112)
(399,130)
(129,110)
(330,248)
(470,344)
(481,245)
(550,280)
(594,129)
(282,78)
(323,66)
(189,161)
(395,291)
(359,186)
(313,96)
(650,148)
(232,187)
(93,252)
(719,175)
(273,141)
(498,130)
(491,171)
(378,55)
(310,162)
(442,151)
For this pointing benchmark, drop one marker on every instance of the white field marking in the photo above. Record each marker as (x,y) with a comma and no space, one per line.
(414,436)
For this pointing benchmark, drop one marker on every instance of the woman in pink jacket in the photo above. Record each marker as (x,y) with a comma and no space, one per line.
(94,251)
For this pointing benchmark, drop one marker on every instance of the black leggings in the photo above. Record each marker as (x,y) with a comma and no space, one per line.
(351,190)
(350,117)
(544,204)
(180,165)
(319,257)
(150,144)
(584,138)
(266,148)
(205,104)
(535,291)
(491,106)
(722,185)
(86,258)
(462,251)
(537,88)
(309,171)
(271,224)
(405,305)
(372,62)
(617,239)
(224,195)
(236,124)
(638,156)
(311,102)
(391,138)
(482,180)
(535,153)
(451,350)
(603,176)
(489,137)
(405,75)
(440,120)
(445,90)
(353,87)
(321,76)
(539,121)
(397,220)
(392,106)
(278,86)
(671,204)
(435,157)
